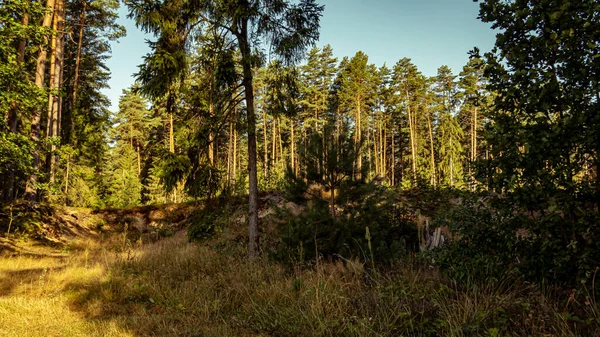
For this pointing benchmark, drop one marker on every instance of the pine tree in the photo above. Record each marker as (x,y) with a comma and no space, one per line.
(356,93)
(474,103)
(450,131)
(405,84)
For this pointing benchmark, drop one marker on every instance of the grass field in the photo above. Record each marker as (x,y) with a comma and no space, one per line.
(175,288)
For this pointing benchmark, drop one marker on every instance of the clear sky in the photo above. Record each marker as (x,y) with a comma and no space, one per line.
(430,32)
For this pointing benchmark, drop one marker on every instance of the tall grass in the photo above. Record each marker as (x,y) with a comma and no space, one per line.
(175,288)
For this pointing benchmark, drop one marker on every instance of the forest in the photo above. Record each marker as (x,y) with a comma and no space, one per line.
(251,183)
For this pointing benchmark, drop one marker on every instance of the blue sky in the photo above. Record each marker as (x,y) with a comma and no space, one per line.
(430,32)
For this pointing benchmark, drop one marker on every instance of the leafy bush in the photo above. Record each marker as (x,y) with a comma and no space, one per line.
(494,237)
(16,161)
(358,206)
(212,219)
(340,206)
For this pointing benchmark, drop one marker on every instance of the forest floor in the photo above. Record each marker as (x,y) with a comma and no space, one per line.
(133,272)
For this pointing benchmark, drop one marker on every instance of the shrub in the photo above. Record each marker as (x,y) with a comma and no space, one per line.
(359,205)
(495,237)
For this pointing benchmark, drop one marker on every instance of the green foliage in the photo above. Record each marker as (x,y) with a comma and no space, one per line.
(212,219)
(335,225)
(493,238)
(21,91)
(83,188)
(16,159)
(484,243)
(125,187)
(544,144)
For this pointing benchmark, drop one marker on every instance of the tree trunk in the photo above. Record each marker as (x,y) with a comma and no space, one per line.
(30,189)
(381,151)
(253,234)
(171,136)
(229,147)
(273,148)
(211,146)
(332,200)
(77,65)
(52,97)
(60,56)
(377,147)
(235,151)
(474,152)
(265,144)
(412,140)
(393,165)
(384,162)
(358,139)
(53,79)
(139,158)
(432,152)
(67,201)
(56,69)
(451,171)
(293,150)
(280,141)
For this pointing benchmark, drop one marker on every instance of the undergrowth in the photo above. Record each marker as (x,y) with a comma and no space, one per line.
(176,288)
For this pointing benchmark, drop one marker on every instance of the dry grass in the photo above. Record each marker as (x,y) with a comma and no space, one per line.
(36,294)
(175,288)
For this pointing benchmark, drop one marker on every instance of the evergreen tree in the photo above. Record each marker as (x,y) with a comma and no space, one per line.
(450,131)
(356,93)
(406,81)
(474,104)
(544,143)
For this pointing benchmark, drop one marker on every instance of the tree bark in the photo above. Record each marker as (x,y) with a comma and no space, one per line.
(265,143)
(358,138)
(139,158)
(412,139)
(432,152)
(273,146)
(78,57)
(293,150)
(280,141)
(376,149)
(52,80)
(30,189)
(211,147)
(385,148)
(235,152)
(229,147)
(393,165)
(56,69)
(253,234)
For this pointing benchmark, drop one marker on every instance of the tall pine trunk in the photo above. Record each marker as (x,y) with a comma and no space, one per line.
(77,66)
(229,146)
(30,189)
(211,146)
(393,165)
(265,143)
(293,150)
(56,69)
(431,149)
(412,139)
(253,234)
(280,141)
(358,139)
